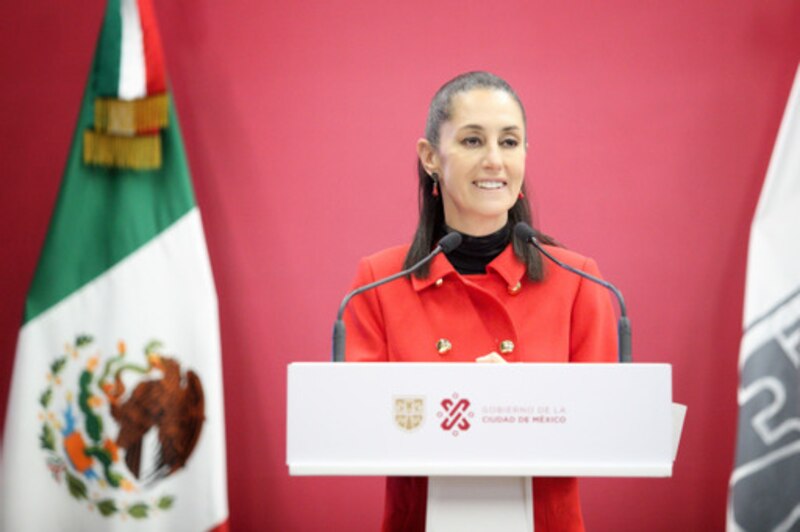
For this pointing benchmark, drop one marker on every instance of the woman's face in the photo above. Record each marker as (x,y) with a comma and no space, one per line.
(480,160)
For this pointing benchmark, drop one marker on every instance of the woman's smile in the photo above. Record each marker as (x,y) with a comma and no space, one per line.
(490,184)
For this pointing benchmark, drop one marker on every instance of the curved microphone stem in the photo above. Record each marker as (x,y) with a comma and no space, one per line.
(623,325)
(447,243)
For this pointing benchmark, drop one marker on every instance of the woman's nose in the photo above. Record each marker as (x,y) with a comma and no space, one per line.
(493,157)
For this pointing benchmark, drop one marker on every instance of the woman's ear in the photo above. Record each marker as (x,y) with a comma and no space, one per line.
(427,156)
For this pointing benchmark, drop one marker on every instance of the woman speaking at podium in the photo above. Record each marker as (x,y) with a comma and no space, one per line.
(492,299)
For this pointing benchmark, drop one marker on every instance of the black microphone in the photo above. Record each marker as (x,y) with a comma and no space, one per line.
(524,232)
(448,243)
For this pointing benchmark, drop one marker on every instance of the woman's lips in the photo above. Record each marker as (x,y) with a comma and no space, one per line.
(489,184)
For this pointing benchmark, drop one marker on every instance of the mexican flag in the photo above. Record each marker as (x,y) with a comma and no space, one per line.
(115,419)
(765,482)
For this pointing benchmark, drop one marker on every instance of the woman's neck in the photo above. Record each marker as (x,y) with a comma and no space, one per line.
(476,252)
(477,228)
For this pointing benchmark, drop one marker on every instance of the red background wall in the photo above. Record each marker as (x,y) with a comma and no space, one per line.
(650,125)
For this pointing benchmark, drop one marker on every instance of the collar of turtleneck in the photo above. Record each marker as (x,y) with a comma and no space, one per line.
(476,252)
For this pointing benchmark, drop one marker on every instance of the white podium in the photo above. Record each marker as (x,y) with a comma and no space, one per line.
(480,431)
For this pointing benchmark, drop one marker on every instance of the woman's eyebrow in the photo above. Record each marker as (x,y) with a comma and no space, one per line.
(480,127)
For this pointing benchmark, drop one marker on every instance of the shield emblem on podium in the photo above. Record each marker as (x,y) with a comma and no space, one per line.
(409,412)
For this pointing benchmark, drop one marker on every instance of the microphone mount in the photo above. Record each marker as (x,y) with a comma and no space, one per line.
(527,234)
(449,242)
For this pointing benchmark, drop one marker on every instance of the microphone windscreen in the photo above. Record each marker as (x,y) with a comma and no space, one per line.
(450,241)
(524,232)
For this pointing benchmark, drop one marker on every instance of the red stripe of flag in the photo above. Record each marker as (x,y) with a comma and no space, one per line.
(222,527)
(153,53)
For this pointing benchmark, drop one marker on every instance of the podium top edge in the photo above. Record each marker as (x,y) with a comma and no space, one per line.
(474,364)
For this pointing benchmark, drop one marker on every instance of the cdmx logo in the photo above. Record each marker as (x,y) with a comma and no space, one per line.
(454,414)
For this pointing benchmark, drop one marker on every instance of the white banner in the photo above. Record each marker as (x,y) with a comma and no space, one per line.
(765,484)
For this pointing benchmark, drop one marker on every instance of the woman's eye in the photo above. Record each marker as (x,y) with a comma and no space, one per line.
(471,142)
(510,143)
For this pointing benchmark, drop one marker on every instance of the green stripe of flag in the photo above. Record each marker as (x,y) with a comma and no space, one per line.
(104,214)
(109,52)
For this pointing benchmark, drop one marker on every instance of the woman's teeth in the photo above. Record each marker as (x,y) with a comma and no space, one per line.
(491,185)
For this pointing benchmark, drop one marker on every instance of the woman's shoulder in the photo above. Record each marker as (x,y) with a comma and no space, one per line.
(567,256)
(386,261)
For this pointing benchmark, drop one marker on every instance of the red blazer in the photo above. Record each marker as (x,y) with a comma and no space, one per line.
(448,317)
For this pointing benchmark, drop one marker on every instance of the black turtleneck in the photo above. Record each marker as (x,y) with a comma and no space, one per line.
(475,252)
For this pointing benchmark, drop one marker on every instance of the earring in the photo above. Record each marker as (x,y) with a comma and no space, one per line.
(521,195)
(435,178)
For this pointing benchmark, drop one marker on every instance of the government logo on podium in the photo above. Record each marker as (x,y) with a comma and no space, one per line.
(409,412)
(454,414)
